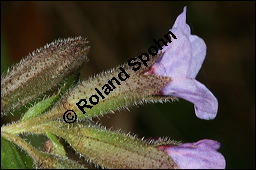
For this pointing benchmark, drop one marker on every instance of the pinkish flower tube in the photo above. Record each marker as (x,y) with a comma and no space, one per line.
(199,155)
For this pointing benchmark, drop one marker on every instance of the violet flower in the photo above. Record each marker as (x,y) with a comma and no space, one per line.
(182,60)
(199,155)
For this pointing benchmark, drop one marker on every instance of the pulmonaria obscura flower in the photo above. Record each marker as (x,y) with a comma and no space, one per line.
(199,155)
(182,60)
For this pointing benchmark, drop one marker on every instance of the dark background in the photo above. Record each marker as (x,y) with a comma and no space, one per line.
(121,30)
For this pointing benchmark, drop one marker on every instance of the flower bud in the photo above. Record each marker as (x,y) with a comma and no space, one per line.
(42,70)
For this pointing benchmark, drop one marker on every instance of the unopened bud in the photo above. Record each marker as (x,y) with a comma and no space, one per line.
(42,70)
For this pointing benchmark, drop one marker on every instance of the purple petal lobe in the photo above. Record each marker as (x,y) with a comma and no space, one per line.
(198,55)
(176,58)
(181,24)
(199,155)
(205,103)
(184,56)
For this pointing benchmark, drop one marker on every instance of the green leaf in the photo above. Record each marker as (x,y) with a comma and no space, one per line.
(40,107)
(58,148)
(41,159)
(44,105)
(11,157)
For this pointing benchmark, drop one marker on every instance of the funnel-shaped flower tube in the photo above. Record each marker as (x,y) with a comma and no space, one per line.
(182,60)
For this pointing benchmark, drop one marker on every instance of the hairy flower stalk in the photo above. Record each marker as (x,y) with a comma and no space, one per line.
(42,70)
(109,149)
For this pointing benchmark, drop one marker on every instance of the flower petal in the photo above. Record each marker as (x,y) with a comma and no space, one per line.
(176,58)
(205,103)
(180,23)
(205,143)
(184,56)
(198,55)
(198,155)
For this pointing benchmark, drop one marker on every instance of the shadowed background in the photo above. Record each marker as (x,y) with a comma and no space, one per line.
(121,30)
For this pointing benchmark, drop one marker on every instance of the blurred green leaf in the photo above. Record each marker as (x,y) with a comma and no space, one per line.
(12,159)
